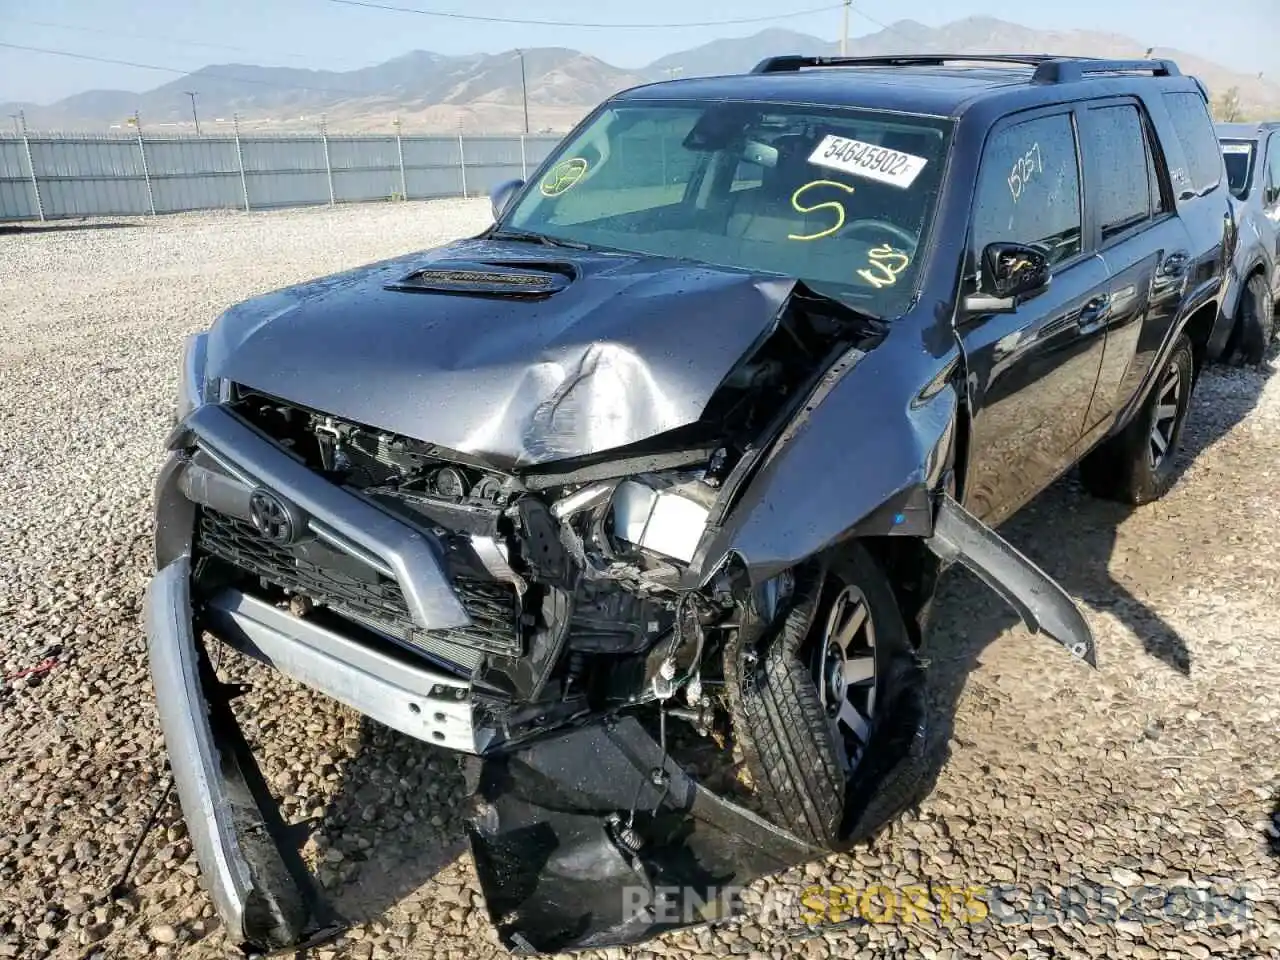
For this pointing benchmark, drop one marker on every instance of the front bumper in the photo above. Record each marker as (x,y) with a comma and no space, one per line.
(547,811)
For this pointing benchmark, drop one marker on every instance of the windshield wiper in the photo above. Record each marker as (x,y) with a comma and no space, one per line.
(824,294)
(528,236)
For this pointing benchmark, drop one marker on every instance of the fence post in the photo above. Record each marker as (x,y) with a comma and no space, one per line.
(462,165)
(35,183)
(404,188)
(328,168)
(146,174)
(244,183)
(524,169)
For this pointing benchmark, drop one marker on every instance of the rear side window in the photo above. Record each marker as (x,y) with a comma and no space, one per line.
(1120,187)
(1029,188)
(1238,156)
(1191,122)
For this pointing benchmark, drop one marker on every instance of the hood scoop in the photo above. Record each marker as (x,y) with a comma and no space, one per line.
(526,280)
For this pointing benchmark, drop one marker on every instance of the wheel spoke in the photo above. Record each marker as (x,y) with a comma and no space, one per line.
(852,623)
(1158,439)
(1166,411)
(859,670)
(853,721)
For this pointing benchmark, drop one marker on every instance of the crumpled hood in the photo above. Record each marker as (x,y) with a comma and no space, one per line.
(631,347)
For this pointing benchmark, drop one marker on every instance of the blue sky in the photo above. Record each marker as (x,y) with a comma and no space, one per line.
(188,34)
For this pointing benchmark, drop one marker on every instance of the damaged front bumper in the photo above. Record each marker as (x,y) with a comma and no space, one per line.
(569,854)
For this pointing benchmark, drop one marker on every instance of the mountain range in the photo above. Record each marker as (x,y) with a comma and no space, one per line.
(482,92)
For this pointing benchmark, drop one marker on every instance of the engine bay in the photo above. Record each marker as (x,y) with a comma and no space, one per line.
(593,553)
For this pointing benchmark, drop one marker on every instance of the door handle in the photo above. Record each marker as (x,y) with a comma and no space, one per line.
(1174,265)
(1094,314)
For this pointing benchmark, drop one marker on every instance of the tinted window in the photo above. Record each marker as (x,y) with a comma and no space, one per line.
(1191,121)
(1029,188)
(1122,191)
(1238,156)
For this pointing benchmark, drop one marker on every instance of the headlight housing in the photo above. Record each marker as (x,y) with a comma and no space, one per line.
(194,389)
(662,513)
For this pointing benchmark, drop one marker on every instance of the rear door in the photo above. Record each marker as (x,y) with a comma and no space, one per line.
(1145,247)
(1031,372)
(1199,179)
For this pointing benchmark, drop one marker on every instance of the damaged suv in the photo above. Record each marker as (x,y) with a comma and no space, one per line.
(662,468)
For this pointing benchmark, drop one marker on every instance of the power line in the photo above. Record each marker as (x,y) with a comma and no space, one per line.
(152,38)
(578,23)
(206,71)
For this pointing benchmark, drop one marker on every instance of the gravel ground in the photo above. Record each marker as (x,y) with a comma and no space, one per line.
(1160,770)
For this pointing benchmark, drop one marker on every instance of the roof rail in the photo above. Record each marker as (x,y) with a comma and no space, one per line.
(793,62)
(1049,68)
(1066,69)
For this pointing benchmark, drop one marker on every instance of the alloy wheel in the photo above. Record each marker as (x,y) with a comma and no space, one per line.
(844,669)
(1164,420)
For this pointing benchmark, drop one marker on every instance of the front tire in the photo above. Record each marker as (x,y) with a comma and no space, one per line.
(1136,465)
(806,710)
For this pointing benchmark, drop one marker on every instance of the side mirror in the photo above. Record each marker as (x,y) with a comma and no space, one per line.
(502,195)
(1009,274)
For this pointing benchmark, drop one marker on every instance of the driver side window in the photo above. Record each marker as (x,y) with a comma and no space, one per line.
(1029,188)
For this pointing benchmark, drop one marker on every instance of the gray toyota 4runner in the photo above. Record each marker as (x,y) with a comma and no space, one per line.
(1252,155)
(661,469)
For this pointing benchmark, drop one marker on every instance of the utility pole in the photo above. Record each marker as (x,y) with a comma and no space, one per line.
(524,90)
(192,95)
(844,27)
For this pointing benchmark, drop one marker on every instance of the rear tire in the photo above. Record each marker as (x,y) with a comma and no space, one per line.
(800,711)
(1257,320)
(1136,465)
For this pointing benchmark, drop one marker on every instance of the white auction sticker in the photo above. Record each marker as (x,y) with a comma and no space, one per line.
(868,160)
(1236,148)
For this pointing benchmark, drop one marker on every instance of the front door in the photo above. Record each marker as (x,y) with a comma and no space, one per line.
(1031,373)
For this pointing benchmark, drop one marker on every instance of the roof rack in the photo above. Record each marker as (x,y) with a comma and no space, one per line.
(1066,69)
(790,63)
(1049,68)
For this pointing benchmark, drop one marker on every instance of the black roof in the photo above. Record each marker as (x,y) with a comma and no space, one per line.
(940,89)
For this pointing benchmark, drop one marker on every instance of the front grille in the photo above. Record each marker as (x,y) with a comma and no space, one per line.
(351,588)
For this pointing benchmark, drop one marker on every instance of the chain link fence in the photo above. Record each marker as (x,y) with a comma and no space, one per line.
(46,177)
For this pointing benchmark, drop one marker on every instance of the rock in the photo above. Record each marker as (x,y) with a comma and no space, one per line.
(163,933)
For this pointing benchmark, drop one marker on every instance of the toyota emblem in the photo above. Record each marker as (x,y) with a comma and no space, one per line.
(271,517)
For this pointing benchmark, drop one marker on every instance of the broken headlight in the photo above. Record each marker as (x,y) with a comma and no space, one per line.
(194,388)
(662,513)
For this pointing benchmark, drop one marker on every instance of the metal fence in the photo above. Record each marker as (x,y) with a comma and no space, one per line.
(47,177)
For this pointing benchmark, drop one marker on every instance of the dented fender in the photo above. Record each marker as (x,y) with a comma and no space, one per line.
(864,456)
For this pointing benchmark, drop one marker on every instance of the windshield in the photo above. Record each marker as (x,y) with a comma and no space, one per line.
(839,198)
(1238,156)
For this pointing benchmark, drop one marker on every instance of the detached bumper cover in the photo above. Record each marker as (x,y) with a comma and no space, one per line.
(258,885)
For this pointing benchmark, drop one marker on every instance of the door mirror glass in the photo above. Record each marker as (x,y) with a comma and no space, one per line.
(1008,274)
(1013,271)
(502,196)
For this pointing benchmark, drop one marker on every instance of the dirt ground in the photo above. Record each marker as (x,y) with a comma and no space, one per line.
(1123,812)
